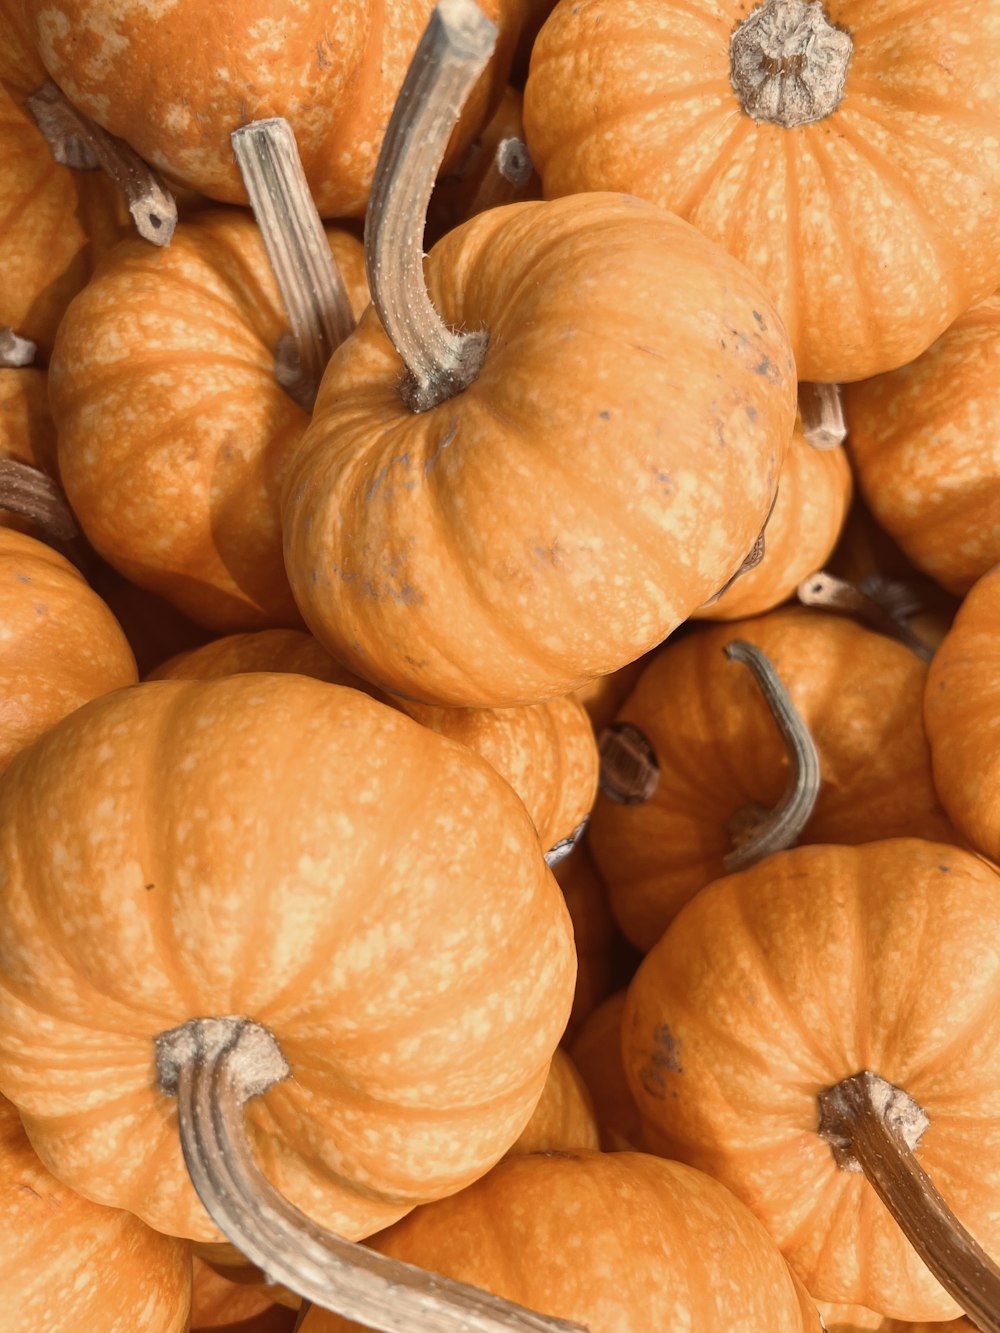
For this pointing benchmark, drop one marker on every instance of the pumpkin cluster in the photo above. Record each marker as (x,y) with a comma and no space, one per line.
(499,620)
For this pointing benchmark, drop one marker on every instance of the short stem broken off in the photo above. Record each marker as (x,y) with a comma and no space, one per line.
(881,604)
(822,414)
(26,491)
(788,62)
(15,352)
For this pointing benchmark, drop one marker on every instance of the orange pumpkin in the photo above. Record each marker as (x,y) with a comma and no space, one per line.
(925,443)
(855,1319)
(272,847)
(60,645)
(870,209)
(219,1305)
(597,1054)
(600,948)
(68,1263)
(962,717)
(563,1120)
(774,985)
(174,433)
(27,434)
(21,72)
(614,1241)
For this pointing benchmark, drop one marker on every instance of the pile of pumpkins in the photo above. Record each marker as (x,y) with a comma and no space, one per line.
(395,846)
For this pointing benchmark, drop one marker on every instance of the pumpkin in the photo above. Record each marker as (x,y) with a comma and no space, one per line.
(601,952)
(615,1241)
(271,847)
(963,720)
(27,434)
(546,751)
(332,70)
(713,758)
(71,1264)
(597,1053)
(845,152)
(925,444)
(21,72)
(776,985)
(173,430)
(563,1120)
(219,1305)
(855,1319)
(60,647)
(604,695)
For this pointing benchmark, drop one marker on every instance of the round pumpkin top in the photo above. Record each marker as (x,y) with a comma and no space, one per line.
(775,984)
(606,472)
(276,848)
(856,1319)
(873,222)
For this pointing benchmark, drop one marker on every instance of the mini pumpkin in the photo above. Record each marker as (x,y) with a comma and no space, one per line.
(597,1053)
(563,1119)
(219,1305)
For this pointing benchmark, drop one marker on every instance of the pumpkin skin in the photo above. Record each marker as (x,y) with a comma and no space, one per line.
(546,752)
(564,512)
(597,1053)
(719,751)
(175,82)
(616,1242)
(855,1319)
(181,495)
(776,983)
(69,1263)
(272,846)
(925,443)
(599,944)
(61,645)
(221,1306)
(872,228)
(963,720)
(27,433)
(563,1120)
(21,72)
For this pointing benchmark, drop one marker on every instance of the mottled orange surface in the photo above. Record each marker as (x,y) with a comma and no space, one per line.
(597,1051)
(563,1120)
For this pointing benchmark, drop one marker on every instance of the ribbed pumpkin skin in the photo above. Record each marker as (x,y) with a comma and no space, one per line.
(719,750)
(777,983)
(606,472)
(67,1263)
(925,443)
(855,1319)
(21,72)
(599,944)
(274,847)
(546,752)
(597,1052)
(60,647)
(962,716)
(54,226)
(173,431)
(872,228)
(563,1120)
(618,1242)
(175,79)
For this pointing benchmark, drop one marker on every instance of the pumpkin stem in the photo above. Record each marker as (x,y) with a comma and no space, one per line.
(788,62)
(822,414)
(440,362)
(215,1066)
(506,178)
(76,141)
(782,826)
(877,602)
(874,1127)
(14,351)
(310,284)
(26,491)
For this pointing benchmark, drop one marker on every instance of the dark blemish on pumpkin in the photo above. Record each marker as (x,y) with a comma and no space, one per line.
(24,578)
(321,58)
(558,1152)
(650,351)
(41,609)
(441,445)
(382,473)
(551,555)
(945,870)
(768,368)
(150,888)
(759,318)
(668,1054)
(664,479)
(605,416)
(751,413)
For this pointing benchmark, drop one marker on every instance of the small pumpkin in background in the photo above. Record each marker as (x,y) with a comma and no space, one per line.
(219,1305)
(925,444)
(21,72)
(602,955)
(67,1263)
(597,1053)
(855,1319)
(563,1119)
(27,435)
(604,695)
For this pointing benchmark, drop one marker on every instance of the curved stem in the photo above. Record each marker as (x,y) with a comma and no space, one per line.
(15,352)
(310,284)
(216,1065)
(506,177)
(26,491)
(74,140)
(783,825)
(453,51)
(564,846)
(822,414)
(869,1122)
(750,561)
(876,602)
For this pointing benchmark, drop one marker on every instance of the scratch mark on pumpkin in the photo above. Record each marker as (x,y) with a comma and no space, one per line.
(440,447)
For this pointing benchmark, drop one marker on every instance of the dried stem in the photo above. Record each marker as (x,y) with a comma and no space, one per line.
(15,352)
(75,140)
(822,414)
(453,51)
(26,491)
(506,178)
(216,1065)
(873,1127)
(876,602)
(565,845)
(311,287)
(782,826)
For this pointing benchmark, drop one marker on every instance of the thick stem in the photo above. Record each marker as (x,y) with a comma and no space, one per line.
(74,140)
(440,362)
(630,770)
(822,414)
(788,62)
(311,287)
(877,602)
(874,1127)
(783,825)
(26,491)
(564,846)
(216,1065)
(15,352)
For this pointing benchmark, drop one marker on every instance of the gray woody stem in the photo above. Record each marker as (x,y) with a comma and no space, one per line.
(26,491)
(214,1066)
(311,287)
(506,177)
(14,351)
(74,139)
(864,1117)
(822,414)
(453,51)
(783,825)
(877,606)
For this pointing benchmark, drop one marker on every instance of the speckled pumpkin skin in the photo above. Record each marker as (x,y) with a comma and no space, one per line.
(872,228)
(776,983)
(606,472)
(615,1241)
(279,848)
(856,1319)
(563,1120)
(67,1263)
